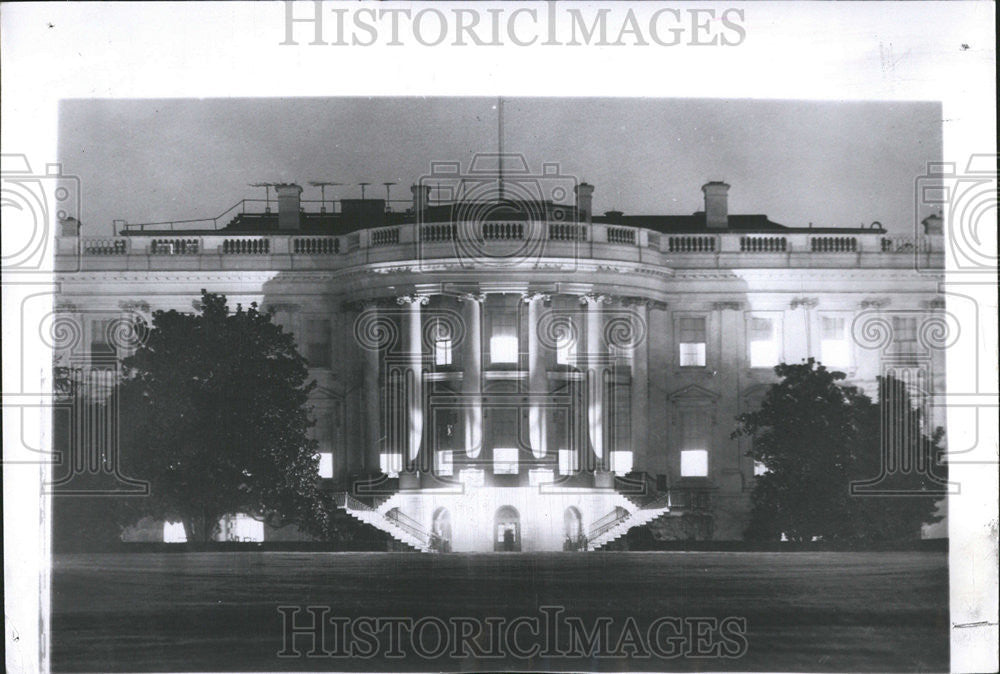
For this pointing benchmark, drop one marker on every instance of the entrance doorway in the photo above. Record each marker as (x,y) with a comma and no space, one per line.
(441,531)
(573,530)
(507,530)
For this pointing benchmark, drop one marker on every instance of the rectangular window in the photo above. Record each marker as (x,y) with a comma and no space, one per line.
(621,462)
(391,463)
(764,350)
(834,345)
(326,465)
(505,460)
(503,339)
(691,342)
(694,463)
(442,343)
(318,342)
(444,463)
(568,462)
(694,442)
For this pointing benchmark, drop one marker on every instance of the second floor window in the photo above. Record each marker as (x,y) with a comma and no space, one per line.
(691,342)
(102,353)
(834,345)
(442,343)
(764,351)
(503,339)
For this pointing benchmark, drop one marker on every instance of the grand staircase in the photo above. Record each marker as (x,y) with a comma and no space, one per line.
(625,515)
(387,517)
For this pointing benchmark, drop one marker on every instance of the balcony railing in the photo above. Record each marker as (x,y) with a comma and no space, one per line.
(547,240)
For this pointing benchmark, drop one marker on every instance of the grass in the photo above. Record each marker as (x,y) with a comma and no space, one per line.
(807,611)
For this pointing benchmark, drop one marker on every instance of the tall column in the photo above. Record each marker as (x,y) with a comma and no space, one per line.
(472,364)
(414,354)
(371,345)
(537,384)
(596,362)
(640,384)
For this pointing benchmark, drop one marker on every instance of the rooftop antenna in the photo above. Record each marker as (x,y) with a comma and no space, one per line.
(363,185)
(267,194)
(500,144)
(387,206)
(322,185)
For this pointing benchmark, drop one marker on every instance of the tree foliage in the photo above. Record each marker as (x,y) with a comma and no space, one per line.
(215,417)
(816,436)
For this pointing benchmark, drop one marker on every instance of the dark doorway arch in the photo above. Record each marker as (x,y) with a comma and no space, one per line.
(507,530)
(441,530)
(573,530)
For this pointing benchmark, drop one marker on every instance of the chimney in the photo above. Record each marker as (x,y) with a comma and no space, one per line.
(933,224)
(289,205)
(584,202)
(716,204)
(421,198)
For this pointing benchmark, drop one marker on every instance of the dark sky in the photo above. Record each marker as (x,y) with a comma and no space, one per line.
(829,163)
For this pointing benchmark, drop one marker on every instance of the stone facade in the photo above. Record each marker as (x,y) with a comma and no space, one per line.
(560,380)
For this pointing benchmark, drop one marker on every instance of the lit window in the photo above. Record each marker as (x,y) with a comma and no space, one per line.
(442,343)
(391,464)
(444,463)
(173,532)
(694,463)
(621,462)
(503,341)
(566,350)
(692,342)
(693,442)
(505,460)
(472,477)
(318,343)
(241,528)
(568,462)
(537,476)
(759,468)
(763,342)
(834,345)
(326,465)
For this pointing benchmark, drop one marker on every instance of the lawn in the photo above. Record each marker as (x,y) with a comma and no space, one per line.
(804,611)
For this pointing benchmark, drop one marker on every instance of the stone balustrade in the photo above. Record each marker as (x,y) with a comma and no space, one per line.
(546,240)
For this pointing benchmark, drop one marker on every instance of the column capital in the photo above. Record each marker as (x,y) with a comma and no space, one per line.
(531,296)
(804,302)
(648,303)
(413,299)
(472,297)
(594,299)
(875,303)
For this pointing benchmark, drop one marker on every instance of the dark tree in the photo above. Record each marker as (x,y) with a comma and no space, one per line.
(816,436)
(215,417)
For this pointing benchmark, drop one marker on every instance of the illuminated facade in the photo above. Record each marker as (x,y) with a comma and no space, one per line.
(526,375)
